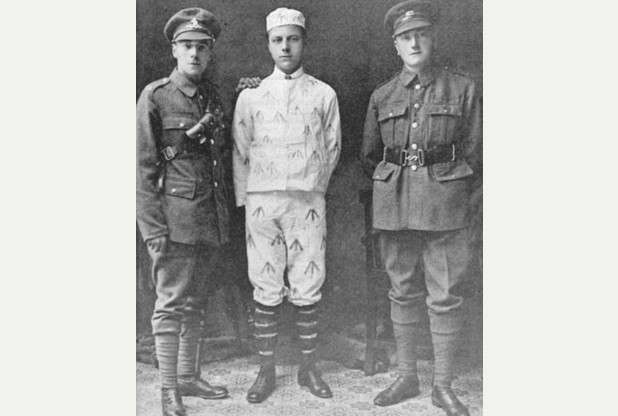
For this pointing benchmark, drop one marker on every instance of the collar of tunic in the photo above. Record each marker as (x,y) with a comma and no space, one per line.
(182,83)
(279,74)
(425,77)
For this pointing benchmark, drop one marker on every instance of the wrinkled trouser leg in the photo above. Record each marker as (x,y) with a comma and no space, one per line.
(177,314)
(445,257)
(286,230)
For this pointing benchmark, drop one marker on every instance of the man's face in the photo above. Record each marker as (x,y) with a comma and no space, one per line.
(415,47)
(286,44)
(193,57)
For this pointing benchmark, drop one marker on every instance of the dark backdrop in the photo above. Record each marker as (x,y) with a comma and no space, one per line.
(347,46)
(348,49)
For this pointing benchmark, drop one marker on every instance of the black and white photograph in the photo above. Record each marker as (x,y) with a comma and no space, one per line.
(309,207)
(321,207)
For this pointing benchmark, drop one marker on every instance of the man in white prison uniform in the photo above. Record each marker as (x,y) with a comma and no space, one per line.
(287,137)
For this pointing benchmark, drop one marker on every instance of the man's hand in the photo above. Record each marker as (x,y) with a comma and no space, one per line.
(248,83)
(157,244)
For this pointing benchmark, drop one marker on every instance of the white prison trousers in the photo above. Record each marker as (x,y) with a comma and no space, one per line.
(286,230)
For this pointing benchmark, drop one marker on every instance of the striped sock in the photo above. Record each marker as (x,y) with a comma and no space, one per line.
(307,328)
(266,333)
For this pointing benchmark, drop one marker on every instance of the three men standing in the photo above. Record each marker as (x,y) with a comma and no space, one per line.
(422,147)
(287,137)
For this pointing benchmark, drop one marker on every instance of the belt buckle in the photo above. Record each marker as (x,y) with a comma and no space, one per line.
(418,159)
(168,153)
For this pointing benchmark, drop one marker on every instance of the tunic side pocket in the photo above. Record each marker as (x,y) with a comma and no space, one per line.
(383,171)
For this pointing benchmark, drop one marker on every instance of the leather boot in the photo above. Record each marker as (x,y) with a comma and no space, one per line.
(171,402)
(309,376)
(263,386)
(444,398)
(195,386)
(405,387)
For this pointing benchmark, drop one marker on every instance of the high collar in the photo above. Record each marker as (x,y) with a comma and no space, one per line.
(424,77)
(182,83)
(279,74)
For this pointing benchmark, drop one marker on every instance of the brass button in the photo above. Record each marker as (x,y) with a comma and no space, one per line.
(390,114)
(414,146)
(417,87)
(414,167)
(445,110)
(212,141)
(417,105)
(216,184)
(214,162)
(182,125)
(414,125)
(173,190)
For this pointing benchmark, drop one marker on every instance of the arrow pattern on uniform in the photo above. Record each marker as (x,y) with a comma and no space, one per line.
(258,169)
(259,116)
(272,168)
(250,242)
(268,268)
(312,268)
(297,154)
(278,240)
(268,96)
(259,212)
(313,214)
(279,118)
(296,245)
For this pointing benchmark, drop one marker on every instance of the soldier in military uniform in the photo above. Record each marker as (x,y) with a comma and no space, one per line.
(422,148)
(183,200)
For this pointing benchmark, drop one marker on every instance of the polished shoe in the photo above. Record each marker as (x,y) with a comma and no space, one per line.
(444,398)
(405,387)
(171,402)
(310,377)
(195,386)
(263,386)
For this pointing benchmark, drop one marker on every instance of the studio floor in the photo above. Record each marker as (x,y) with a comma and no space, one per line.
(353,391)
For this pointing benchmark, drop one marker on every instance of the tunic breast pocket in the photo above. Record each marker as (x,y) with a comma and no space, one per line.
(174,128)
(392,118)
(443,121)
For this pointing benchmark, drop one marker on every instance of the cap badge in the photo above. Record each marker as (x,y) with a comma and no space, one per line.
(193,24)
(409,13)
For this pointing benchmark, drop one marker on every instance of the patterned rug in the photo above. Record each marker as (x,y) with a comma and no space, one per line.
(353,392)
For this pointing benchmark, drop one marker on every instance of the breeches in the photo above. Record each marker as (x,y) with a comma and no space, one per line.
(182,277)
(445,256)
(286,231)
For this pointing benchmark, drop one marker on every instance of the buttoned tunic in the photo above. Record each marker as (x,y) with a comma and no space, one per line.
(436,107)
(193,205)
(287,135)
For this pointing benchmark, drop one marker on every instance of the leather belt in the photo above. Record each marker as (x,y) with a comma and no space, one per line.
(185,146)
(421,157)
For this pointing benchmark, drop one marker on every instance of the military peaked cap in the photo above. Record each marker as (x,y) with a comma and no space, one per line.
(411,14)
(192,24)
